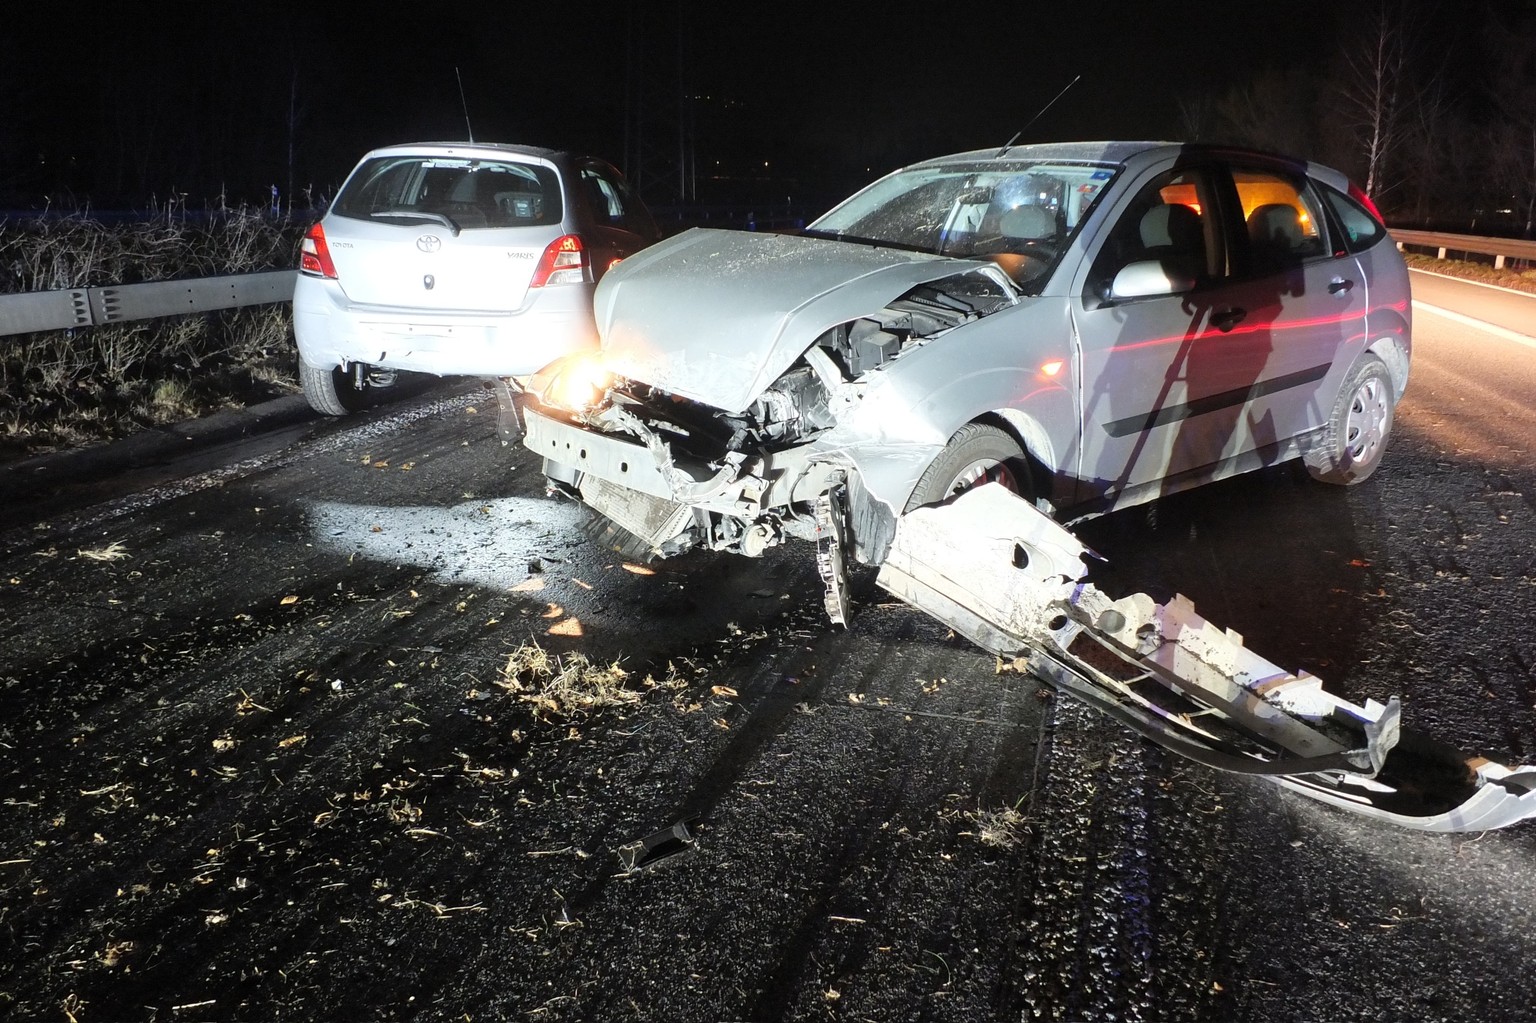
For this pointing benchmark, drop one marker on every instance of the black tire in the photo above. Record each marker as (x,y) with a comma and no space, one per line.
(1356,435)
(976,454)
(330,392)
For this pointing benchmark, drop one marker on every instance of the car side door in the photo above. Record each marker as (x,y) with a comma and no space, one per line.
(1303,303)
(619,224)
(1154,320)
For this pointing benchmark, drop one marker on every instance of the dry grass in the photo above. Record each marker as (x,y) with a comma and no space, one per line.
(1001,829)
(560,687)
(1508,277)
(64,389)
(114,551)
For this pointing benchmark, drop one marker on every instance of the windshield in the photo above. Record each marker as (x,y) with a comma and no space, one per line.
(1020,215)
(468,193)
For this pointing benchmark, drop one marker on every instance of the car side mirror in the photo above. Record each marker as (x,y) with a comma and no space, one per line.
(1147,278)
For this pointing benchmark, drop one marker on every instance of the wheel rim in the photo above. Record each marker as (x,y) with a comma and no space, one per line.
(1370,414)
(982,470)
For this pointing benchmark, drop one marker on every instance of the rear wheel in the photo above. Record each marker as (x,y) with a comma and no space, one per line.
(1355,437)
(978,453)
(335,392)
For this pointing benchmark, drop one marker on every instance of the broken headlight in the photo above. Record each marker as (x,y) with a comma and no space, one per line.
(577,382)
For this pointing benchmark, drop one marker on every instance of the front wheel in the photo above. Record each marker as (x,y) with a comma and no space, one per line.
(976,454)
(1355,437)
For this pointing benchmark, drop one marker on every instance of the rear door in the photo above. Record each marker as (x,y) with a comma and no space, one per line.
(1304,303)
(443,233)
(616,223)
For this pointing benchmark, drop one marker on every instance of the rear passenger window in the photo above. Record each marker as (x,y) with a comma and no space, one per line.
(1361,230)
(1284,228)
(606,200)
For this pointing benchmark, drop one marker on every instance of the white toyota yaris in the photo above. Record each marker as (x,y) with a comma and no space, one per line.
(457,258)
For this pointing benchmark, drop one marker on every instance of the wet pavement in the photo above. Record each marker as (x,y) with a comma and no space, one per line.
(262,758)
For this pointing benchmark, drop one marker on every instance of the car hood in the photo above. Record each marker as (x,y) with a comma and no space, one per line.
(717,315)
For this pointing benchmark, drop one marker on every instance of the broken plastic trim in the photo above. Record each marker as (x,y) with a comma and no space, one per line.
(831,545)
(996,570)
(656,847)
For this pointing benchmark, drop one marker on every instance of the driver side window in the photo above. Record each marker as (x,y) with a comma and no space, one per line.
(1169,224)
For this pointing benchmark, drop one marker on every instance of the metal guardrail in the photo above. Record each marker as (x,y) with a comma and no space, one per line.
(120,303)
(91,307)
(1499,248)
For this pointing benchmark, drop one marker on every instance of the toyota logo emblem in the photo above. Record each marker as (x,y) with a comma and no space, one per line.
(429,243)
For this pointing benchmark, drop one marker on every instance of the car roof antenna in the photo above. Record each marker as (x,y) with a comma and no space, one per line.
(1032,120)
(465,105)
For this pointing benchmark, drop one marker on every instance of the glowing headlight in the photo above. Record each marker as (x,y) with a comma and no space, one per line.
(576,382)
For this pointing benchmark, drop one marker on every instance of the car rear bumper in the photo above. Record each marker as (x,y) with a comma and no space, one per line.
(332,331)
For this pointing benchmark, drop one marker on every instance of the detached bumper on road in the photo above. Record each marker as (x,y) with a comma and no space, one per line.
(1001,573)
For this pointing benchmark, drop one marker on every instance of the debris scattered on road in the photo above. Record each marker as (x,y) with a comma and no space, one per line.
(1002,829)
(114,551)
(562,686)
(656,847)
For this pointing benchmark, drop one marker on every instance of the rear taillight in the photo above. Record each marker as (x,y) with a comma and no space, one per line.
(564,262)
(1358,194)
(315,255)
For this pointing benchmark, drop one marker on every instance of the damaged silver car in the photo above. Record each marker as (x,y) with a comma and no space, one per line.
(973,347)
(1094,324)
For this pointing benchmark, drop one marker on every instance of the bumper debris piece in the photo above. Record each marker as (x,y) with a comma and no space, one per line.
(1007,577)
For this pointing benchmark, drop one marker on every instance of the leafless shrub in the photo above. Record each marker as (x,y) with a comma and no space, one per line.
(53,251)
(67,388)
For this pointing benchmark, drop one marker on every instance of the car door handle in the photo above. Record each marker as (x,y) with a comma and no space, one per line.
(1340,286)
(1225,319)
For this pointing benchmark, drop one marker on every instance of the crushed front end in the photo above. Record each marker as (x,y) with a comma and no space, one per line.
(671,471)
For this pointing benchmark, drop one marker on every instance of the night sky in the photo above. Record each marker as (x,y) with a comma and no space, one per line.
(799,101)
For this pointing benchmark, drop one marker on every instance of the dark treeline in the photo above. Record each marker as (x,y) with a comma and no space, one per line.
(1430,104)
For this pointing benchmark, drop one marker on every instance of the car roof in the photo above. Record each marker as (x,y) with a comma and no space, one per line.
(1125,152)
(1091,152)
(460,148)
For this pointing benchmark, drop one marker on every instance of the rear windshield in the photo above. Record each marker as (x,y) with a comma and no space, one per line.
(469,193)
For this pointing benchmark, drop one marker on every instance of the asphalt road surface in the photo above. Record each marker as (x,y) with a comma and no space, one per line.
(275,744)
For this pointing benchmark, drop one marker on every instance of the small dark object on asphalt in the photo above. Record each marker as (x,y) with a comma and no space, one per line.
(656,847)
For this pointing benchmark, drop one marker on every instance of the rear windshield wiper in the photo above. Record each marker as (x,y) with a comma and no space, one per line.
(419,215)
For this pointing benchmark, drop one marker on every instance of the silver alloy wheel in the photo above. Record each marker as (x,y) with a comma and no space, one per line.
(983,470)
(1368,419)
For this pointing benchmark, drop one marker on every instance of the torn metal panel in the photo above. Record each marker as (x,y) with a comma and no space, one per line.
(1001,573)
